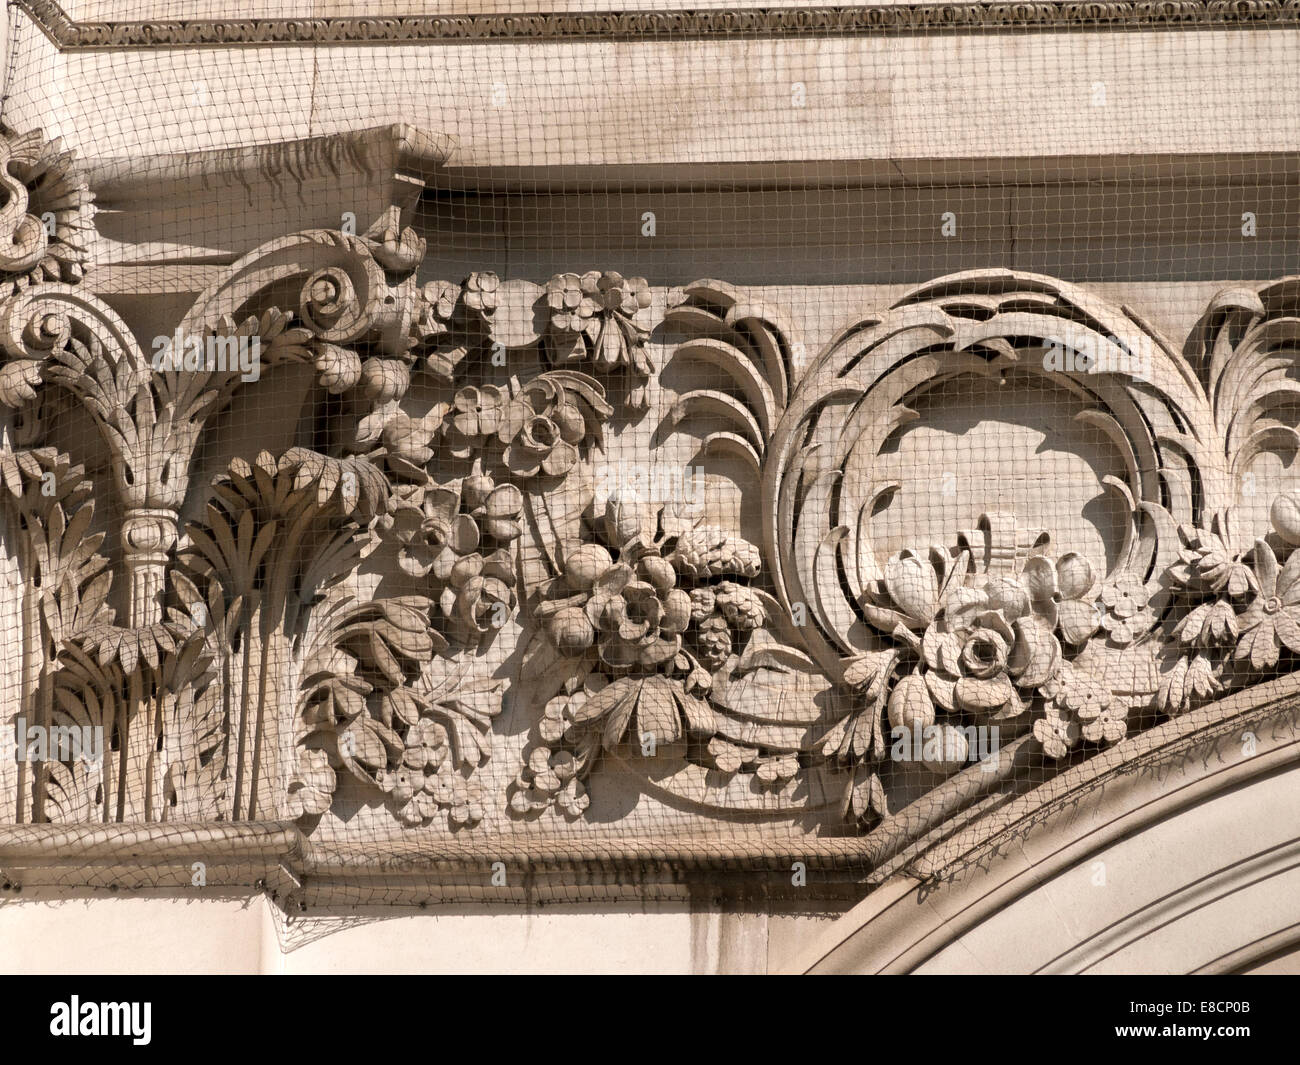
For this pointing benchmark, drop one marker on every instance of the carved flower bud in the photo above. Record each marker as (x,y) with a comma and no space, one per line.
(383,380)
(626,518)
(475,489)
(1285,515)
(677,612)
(570,630)
(659,572)
(910,705)
(1074,575)
(584,565)
(339,368)
(501,512)
(945,751)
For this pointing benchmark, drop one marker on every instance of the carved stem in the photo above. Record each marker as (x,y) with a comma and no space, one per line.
(252,608)
(148,536)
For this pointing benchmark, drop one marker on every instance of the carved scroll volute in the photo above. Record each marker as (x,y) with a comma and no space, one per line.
(341,303)
(344,294)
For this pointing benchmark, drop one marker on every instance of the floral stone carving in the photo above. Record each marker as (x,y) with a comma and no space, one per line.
(341,621)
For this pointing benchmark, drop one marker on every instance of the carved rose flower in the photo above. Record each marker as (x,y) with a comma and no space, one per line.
(542,430)
(434,535)
(631,609)
(637,626)
(480,594)
(986,648)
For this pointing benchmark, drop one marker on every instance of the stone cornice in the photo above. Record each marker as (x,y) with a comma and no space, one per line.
(1127,787)
(393,151)
(836,20)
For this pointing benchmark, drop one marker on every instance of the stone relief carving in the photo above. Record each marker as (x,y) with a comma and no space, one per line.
(250,655)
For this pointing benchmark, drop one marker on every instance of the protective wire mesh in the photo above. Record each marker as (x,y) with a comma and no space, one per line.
(577,460)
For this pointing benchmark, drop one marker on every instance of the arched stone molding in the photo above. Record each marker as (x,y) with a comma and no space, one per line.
(1174,852)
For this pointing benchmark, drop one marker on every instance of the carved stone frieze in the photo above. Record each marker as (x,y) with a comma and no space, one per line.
(461,519)
(846,20)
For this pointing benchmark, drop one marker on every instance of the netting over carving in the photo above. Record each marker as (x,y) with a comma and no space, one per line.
(445,473)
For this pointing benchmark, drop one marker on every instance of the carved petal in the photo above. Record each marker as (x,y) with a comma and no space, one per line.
(1008,596)
(656,712)
(1040,579)
(1074,575)
(677,612)
(561,460)
(442,503)
(942,650)
(942,689)
(1036,656)
(1288,582)
(1288,632)
(1265,569)
(464,536)
(986,695)
(657,652)
(963,606)
(1078,620)
(914,586)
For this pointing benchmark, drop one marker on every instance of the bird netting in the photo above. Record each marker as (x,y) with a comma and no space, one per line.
(746,454)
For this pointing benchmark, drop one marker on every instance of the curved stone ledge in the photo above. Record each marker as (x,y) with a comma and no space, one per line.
(938,888)
(949,888)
